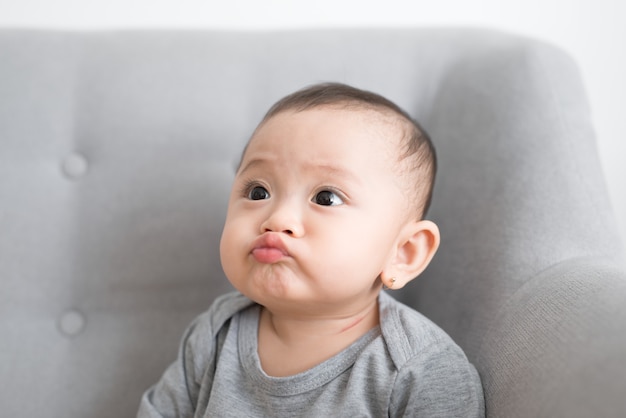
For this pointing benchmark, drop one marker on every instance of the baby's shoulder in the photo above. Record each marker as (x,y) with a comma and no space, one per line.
(208,324)
(429,365)
(410,335)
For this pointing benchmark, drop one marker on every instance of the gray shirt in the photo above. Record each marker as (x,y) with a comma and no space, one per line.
(406,367)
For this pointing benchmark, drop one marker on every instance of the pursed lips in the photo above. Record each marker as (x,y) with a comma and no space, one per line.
(269,248)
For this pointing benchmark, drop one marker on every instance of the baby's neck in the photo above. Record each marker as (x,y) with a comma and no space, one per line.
(289,346)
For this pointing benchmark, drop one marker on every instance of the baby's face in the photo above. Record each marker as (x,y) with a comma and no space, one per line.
(315,210)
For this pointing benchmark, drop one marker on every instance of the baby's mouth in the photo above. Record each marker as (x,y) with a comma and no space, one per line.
(269,248)
(268,255)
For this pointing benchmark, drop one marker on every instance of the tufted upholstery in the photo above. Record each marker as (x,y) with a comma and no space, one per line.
(116,154)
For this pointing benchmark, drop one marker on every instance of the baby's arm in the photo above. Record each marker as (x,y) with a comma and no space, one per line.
(440,382)
(185,385)
(175,394)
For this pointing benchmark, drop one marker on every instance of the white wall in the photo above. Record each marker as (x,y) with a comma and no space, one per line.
(593,31)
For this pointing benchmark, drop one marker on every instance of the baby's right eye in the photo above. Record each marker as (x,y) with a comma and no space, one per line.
(258,193)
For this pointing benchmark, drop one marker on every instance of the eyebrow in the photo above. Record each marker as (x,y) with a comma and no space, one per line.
(331,169)
(252,163)
(337,171)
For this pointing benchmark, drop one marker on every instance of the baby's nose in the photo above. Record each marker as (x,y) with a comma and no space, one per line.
(286,219)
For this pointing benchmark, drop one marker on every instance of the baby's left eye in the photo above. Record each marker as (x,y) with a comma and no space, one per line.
(327,198)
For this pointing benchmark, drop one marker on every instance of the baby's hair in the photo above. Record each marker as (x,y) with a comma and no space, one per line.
(418,148)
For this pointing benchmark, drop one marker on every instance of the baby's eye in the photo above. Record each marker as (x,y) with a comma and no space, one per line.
(327,198)
(258,193)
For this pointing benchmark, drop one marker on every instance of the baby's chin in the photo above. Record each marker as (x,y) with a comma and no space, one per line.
(270,285)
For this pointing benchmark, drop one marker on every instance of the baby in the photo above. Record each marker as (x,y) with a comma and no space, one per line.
(326,210)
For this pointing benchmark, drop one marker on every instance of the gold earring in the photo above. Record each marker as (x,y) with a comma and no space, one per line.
(392,281)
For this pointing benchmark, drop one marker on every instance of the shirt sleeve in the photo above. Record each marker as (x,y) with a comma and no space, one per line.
(439,382)
(176,393)
(188,380)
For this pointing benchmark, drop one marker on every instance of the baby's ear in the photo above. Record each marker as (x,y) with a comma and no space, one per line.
(417,244)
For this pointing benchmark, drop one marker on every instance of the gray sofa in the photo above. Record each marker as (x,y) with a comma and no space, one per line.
(116,154)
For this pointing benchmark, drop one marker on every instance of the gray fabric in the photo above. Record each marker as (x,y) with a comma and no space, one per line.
(407,367)
(116,156)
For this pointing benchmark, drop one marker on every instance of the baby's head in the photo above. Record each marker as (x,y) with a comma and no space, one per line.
(327,202)
(416,157)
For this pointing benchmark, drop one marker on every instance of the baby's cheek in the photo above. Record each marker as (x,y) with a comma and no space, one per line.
(228,250)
